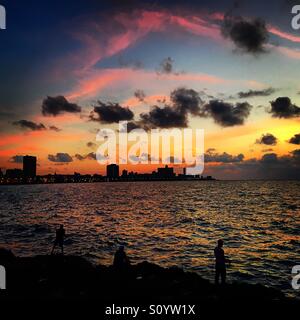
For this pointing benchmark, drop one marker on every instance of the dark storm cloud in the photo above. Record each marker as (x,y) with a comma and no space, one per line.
(110,113)
(227,114)
(286,166)
(267,139)
(60,157)
(53,106)
(54,128)
(284,162)
(183,102)
(164,117)
(272,166)
(79,157)
(212,156)
(249,36)
(296,154)
(30,125)
(282,107)
(140,95)
(267,150)
(134,64)
(131,125)
(166,66)
(16,159)
(269,158)
(256,93)
(269,166)
(186,100)
(25,124)
(211,150)
(89,156)
(295,139)
(91,144)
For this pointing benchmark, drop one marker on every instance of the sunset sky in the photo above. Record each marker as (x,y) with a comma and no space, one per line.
(229,67)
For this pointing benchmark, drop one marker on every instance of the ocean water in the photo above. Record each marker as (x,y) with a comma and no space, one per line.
(168,223)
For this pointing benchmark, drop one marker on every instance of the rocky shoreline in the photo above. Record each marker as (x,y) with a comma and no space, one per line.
(72,277)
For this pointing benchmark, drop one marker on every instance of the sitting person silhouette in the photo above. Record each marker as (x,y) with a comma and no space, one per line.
(59,239)
(220,263)
(121,261)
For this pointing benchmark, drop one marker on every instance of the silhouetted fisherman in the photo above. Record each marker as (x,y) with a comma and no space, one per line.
(220,263)
(121,261)
(59,240)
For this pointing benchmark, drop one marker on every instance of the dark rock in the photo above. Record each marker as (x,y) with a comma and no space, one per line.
(74,278)
(6,255)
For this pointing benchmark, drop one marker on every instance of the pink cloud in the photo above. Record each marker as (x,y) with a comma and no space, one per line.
(198,27)
(11,139)
(288,52)
(91,86)
(282,34)
(105,38)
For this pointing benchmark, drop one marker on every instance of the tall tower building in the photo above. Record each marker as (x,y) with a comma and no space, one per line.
(29,166)
(112,171)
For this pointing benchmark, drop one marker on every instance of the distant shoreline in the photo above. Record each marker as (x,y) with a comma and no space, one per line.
(158,180)
(105,180)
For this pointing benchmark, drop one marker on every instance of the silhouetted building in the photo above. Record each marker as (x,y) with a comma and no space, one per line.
(77,177)
(14,173)
(165,172)
(112,171)
(18,176)
(29,166)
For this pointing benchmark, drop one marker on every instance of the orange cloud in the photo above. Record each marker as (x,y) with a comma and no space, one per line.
(10,139)
(62,119)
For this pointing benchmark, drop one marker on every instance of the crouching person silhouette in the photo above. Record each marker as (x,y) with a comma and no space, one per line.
(59,239)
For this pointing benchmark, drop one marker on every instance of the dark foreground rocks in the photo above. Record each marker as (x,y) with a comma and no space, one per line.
(71,278)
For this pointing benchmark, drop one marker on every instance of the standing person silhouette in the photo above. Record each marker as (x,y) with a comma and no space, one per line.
(59,240)
(121,261)
(220,263)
